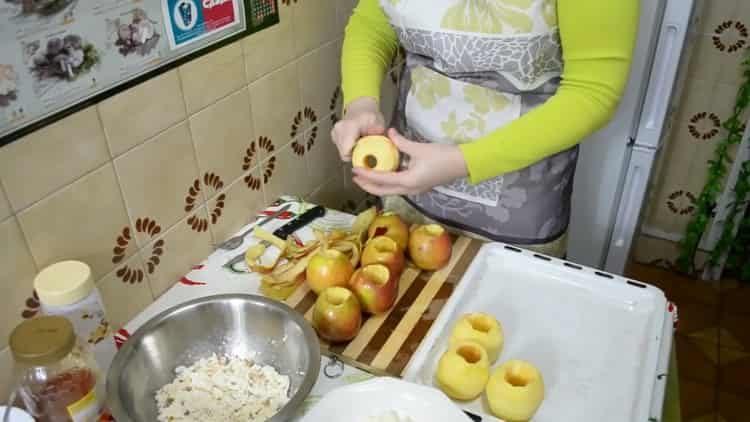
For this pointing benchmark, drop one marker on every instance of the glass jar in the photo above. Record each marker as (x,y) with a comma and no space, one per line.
(57,377)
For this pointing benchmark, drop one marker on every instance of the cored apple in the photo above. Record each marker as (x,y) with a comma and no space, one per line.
(375,287)
(463,371)
(328,268)
(390,225)
(430,246)
(375,152)
(384,250)
(515,391)
(337,315)
(481,328)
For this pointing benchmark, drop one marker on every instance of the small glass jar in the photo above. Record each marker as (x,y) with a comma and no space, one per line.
(57,377)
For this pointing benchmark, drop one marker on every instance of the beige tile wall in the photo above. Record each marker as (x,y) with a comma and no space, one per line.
(713,78)
(141,185)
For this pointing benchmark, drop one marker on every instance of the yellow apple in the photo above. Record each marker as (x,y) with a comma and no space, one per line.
(463,371)
(515,391)
(375,152)
(384,250)
(337,315)
(376,288)
(389,224)
(483,329)
(430,246)
(328,268)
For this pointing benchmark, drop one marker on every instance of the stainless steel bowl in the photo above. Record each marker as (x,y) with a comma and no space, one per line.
(225,325)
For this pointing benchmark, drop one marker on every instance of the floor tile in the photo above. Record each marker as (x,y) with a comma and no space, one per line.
(693,362)
(737,331)
(696,399)
(709,417)
(733,408)
(734,372)
(652,275)
(737,300)
(698,318)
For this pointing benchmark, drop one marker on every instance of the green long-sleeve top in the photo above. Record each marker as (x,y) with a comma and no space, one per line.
(597,42)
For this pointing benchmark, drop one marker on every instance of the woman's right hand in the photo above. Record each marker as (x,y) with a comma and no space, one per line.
(362,118)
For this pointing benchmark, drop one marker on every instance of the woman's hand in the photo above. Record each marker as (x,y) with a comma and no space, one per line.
(362,118)
(429,165)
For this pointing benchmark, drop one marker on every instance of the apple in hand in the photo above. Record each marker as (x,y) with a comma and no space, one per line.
(328,268)
(337,315)
(375,152)
(375,287)
(483,329)
(390,225)
(515,391)
(430,246)
(384,250)
(463,371)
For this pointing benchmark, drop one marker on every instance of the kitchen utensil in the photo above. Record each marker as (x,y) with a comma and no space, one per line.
(597,338)
(236,241)
(359,401)
(233,324)
(284,231)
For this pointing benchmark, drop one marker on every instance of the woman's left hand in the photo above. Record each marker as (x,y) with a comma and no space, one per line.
(429,165)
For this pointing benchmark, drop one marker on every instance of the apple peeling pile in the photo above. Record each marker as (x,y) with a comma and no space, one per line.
(515,390)
(352,272)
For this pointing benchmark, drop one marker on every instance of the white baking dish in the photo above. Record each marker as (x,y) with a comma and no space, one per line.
(601,341)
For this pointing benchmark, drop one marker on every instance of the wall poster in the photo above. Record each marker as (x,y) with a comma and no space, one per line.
(58,56)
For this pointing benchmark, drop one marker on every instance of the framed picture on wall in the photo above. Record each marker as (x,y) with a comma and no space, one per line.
(59,56)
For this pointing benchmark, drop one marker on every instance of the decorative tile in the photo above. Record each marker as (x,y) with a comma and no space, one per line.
(213,76)
(242,200)
(182,248)
(78,222)
(125,242)
(156,178)
(319,75)
(696,399)
(322,157)
(16,280)
(52,157)
(717,12)
(693,363)
(123,300)
(141,112)
(275,103)
(733,408)
(270,48)
(6,372)
(212,185)
(5,210)
(314,24)
(221,132)
(285,173)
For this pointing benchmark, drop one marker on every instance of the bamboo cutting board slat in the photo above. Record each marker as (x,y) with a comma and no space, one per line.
(386,342)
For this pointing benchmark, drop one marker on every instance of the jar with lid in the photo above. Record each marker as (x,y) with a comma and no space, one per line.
(67,289)
(57,378)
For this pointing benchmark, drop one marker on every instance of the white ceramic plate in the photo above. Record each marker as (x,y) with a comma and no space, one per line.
(358,402)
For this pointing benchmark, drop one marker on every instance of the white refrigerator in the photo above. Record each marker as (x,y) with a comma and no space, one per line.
(616,163)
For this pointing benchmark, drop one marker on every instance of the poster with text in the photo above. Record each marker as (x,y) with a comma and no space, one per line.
(189,21)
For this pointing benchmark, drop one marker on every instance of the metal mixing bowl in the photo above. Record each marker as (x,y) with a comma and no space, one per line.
(236,325)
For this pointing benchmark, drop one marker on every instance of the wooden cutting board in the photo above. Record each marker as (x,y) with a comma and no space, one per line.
(386,342)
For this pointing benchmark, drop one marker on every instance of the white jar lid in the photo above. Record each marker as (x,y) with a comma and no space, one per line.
(64,283)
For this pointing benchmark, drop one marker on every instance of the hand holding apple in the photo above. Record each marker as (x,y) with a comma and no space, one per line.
(430,246)
(337,315)
(384,250)
(328,268)
(375,152)
(376,288)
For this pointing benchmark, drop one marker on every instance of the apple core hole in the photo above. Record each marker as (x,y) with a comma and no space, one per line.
(370,161)
(481,324)
(337,297)
(470,354)
(518,377)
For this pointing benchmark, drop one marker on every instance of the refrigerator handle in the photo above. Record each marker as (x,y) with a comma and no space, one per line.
(631,209)
(665,67)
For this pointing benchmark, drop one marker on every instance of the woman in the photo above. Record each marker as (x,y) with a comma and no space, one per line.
(493,100)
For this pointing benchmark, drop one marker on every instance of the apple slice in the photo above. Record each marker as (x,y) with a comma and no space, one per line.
(463,371)
(375,287)
(481,328)
(430,247)
(515,391)
(384,250)
(375,152)
(337,315)
(328,268)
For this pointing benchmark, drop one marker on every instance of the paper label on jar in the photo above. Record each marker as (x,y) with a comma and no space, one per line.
(86,409)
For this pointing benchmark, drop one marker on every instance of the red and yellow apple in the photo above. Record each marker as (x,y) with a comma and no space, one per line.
(376,288)
(384,250)
(430,246)
(515,391)
(337,315)
(481,328)
(463,371)
(390,225)
(375,152)
(328,268)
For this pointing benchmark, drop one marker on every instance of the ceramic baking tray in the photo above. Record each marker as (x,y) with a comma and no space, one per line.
(598,339)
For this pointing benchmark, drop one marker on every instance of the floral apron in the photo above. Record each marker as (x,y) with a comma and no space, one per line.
(472,67)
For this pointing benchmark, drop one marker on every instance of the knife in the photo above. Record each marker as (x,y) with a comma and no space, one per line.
(287,229)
